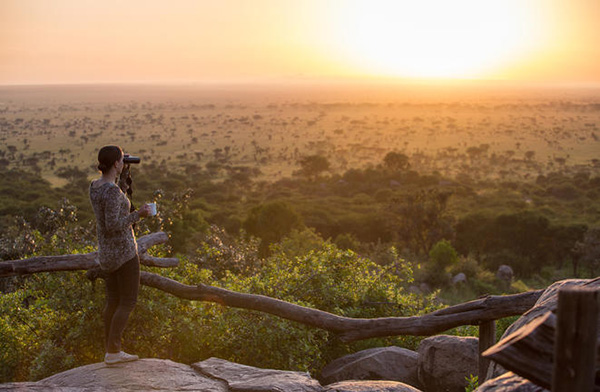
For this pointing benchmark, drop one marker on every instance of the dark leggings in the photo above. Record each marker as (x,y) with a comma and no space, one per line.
(122,288)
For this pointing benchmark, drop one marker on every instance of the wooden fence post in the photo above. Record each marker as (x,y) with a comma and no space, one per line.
(576,340)
(487,338)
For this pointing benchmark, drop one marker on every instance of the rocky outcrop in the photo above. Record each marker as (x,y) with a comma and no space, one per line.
(212,375)
(445,361)
(370,386)
(142,375)
(241,378)
(383,363)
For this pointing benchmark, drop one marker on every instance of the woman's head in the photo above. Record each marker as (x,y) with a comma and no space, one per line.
(108,156)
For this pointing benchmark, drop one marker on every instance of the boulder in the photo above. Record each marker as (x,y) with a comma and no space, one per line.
(459,278)
(548,301)
(382,363)
(370,386)
(243,378)
(509,382)
(445,361)
(505,273)
(142,375)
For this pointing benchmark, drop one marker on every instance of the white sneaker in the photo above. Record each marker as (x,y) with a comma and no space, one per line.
(122,356)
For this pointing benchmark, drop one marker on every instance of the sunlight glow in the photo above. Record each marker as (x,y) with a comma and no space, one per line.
(435,39)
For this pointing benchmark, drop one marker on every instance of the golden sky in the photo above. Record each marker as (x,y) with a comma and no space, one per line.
(82,41)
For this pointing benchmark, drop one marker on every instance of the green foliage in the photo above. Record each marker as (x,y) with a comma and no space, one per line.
(52,359)
(467,265)
(396,161)
(588,250)
(524,240)
(328,279)
(313,165)
(271,222)
(175,217)
(472,383)
(22,193)
(222,253)
(299,242)
(346,241)
(443,255)
(325,278)
(421,218)
(50,232)
(51,322)
(436,271)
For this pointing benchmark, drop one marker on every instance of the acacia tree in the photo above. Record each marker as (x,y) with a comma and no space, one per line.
(270,222)
(396,161)
(420,218)
(588,250)
(313,165)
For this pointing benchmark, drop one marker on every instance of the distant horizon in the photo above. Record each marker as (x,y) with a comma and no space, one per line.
(458,83)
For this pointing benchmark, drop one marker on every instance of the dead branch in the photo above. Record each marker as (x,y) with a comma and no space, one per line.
(351,329)
(85,261)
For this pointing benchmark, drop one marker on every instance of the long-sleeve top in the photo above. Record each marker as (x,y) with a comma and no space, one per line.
(116,242)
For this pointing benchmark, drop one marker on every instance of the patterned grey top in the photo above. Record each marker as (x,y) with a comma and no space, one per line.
(116,242)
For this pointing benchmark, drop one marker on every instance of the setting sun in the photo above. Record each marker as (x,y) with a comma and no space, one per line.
(435,39)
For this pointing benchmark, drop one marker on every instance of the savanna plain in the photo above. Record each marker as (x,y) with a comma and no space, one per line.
(364,200)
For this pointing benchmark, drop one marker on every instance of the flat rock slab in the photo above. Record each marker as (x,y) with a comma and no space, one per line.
(37,387)
(370,386)
(242,378)
(142,375)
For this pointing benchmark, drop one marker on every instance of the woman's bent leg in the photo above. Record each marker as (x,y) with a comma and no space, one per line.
(127,279)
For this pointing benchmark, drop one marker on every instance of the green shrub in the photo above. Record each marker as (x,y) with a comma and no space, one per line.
(443,255)
(472,383)
(467,265)
(50,360)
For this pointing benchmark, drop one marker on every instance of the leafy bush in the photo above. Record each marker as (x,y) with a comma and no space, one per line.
(271,222)
(443,255)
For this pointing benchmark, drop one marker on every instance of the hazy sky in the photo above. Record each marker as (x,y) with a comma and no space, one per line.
(75,41)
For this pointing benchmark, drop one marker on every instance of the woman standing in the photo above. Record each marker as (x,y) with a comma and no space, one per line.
(117,250)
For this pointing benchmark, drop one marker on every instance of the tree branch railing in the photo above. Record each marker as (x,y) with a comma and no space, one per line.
(482,311)
(84,261)
(351,329)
